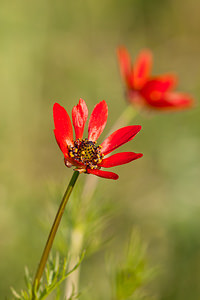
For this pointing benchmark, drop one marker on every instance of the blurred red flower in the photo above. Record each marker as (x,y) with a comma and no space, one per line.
(144,90)
(84,154)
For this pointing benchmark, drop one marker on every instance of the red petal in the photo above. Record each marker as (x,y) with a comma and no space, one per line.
(173,101)
(104,174)
(79,117)
(119,137)
(142,68)
(63,127)
(63,146)
(120,159)
(124,62)
(156,87)
(97,121)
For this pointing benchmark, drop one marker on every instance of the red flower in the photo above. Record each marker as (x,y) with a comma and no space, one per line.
(84,154)
(144,90)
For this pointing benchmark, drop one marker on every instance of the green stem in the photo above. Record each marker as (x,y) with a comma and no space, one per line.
(72,284)
(124,119)
(53,232)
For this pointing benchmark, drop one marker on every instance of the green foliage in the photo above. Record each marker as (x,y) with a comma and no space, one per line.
(131,273)
(55,273)
(88,216)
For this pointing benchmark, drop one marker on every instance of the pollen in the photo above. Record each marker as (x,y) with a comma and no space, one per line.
(86,152)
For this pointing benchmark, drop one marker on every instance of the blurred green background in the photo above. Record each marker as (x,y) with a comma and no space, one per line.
(59,51)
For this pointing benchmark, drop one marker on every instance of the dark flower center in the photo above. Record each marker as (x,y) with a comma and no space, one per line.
(86,152)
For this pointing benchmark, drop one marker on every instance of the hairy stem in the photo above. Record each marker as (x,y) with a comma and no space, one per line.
(53,231)
(72,284)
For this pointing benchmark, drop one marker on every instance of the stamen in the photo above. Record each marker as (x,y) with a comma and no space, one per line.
(86,152)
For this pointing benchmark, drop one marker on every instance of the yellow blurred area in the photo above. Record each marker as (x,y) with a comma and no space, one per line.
(59,51)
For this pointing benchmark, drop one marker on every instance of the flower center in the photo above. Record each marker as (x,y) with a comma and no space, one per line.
(86,152)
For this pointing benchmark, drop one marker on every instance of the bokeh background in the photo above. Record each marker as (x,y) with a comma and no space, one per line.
(61,51)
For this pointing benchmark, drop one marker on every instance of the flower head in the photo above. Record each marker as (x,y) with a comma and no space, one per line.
(144,90)
(85,154)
